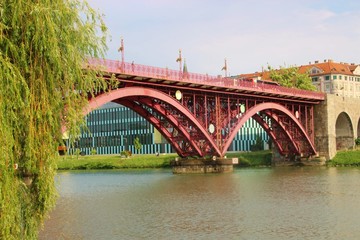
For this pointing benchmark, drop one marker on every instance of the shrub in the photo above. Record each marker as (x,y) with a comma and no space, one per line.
(125,153)
(93,151)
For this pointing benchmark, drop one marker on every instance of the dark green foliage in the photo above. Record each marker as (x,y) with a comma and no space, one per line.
(259,144)
(252,159)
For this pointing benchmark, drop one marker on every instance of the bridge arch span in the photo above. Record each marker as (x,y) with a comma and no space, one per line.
(344,131)
(284,136)
(174,121)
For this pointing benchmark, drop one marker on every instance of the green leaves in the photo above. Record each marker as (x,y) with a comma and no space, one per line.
(43,46)
(290,77)
(137,144)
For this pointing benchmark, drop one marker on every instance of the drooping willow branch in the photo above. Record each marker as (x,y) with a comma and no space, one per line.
(43,45)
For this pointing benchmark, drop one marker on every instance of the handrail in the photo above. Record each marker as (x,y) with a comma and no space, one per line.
(114,66)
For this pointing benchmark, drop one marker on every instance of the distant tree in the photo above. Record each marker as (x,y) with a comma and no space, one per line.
(137,144)
(290,77)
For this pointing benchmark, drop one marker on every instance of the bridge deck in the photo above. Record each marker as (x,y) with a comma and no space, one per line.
(164,76)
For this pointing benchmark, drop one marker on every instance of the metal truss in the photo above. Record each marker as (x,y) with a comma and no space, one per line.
(204,123)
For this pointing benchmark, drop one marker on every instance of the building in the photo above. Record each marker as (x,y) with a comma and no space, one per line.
(342,79)
(112,129)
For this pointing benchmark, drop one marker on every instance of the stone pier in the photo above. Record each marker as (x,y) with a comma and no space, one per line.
(337,125)
(218,165)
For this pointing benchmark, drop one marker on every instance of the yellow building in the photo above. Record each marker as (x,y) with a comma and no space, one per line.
(342,79)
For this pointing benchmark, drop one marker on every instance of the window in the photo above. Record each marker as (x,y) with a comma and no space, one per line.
(340,77)
(334,77)
(346,78)
(327,77)
(327,87)
(314,79)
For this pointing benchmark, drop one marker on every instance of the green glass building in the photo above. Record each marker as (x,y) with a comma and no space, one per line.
(113,128)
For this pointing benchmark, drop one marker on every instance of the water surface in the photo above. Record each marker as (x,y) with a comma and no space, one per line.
(268,203)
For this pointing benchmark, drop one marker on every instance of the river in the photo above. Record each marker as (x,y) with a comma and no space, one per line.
(253,203)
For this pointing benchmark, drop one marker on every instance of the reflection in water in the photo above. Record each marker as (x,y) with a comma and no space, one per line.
(269,203)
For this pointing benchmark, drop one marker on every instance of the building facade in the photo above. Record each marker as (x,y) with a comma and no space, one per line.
(113,128)
(342,79)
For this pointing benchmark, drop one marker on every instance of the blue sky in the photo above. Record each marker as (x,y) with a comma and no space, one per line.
(249,34)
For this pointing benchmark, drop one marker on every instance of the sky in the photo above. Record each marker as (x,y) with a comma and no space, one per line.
(249,34)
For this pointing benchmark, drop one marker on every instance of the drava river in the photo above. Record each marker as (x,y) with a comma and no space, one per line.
(254,203)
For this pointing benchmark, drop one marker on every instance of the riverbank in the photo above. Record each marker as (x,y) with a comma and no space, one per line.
(346,158)
(246,159)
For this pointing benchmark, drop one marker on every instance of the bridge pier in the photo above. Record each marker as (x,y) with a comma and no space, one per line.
(336,125)
(188,166)
(280,161)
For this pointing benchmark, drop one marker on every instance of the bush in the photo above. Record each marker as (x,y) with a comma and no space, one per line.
(93,151)
(243,162)
(125,153)
(259,145)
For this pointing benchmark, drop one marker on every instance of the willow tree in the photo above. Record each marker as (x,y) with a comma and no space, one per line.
(43,87)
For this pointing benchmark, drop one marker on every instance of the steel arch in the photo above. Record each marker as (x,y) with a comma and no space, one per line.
(137,106)
(268,107)
(146,93)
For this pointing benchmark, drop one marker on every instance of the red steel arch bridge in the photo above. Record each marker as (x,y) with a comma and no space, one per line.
(201,114)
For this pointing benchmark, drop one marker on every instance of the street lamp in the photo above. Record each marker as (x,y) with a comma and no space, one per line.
(179,60)
(121,49)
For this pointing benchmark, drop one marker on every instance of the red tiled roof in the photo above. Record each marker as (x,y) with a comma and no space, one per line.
(262,75)
(329,67)
(326,67)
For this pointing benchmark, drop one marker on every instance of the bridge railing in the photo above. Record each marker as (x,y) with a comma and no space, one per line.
(118,67)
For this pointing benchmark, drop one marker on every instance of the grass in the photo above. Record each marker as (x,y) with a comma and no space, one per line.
(114,162)
(346,158)
(246,159)
(261,158)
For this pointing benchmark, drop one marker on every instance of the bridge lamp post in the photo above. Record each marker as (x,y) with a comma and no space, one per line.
(121,49)
(225,68)
(179,60)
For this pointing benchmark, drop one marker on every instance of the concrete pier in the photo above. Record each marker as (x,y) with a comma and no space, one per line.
(189,166)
